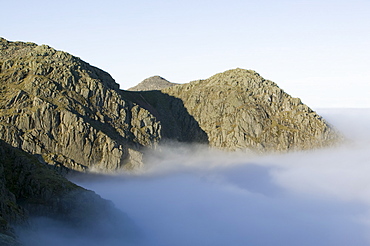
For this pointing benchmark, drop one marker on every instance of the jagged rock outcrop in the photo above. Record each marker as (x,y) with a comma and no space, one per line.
(238,109)
(71,113)
(74,115)
(152,83)
(31,188)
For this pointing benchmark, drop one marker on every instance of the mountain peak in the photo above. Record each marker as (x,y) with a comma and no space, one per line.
(239,109)
(152,83)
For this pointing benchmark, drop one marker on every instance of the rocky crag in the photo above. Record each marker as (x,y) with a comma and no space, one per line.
(240,110)
(71,113)
(251,112)
(74,115)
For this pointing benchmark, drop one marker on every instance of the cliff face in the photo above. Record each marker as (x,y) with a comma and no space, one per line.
(238,109)
(71,113)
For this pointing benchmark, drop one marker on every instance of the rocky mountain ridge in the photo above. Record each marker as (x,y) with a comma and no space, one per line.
(75,116)
(238,109)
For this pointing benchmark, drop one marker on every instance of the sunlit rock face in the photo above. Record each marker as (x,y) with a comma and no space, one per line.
(75,116)
(71,113)
(240,110)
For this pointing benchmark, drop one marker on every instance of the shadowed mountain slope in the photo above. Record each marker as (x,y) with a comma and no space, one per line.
(29,188)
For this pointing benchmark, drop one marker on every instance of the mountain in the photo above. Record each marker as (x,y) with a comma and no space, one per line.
(71,113)
(238,110)
(74,115)
(152,83)
(59,113)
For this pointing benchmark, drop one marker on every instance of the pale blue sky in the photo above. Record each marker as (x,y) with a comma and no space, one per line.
(315,50)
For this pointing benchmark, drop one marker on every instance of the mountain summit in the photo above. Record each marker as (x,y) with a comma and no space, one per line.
(152,83)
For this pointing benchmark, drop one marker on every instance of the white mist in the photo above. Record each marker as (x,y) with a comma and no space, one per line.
(191,195)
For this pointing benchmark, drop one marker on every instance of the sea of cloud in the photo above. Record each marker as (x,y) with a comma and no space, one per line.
(193,195)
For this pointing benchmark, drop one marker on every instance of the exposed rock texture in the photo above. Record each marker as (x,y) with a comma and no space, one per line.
(152,83)
(31,188)
(73,115)
(56,105)
(176,122)
(238,109)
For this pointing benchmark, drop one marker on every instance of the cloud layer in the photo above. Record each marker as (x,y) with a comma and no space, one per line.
(191,195)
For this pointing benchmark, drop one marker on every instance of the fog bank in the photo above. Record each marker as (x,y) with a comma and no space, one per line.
(192,195)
